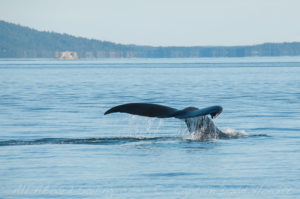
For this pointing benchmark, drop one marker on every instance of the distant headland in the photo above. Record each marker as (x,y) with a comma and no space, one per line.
(22,42)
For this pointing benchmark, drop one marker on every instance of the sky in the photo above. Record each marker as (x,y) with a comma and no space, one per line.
(162,22)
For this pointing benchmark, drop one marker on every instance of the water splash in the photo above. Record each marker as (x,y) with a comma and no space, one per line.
(201,128)
(141,125)
(196,136)
(135,126)
(232,133)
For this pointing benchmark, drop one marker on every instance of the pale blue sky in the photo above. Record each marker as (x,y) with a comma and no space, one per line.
(162,22)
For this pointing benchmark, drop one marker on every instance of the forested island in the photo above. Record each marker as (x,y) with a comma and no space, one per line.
(22,42)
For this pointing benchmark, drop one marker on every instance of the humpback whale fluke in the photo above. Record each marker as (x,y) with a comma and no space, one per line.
(199,124)
(160,111)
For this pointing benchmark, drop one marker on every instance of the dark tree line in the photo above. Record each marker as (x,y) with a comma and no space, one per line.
(21,42)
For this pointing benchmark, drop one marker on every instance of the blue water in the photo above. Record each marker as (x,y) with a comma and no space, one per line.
(55,141)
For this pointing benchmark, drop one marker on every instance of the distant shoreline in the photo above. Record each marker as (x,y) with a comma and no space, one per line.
(263,59)
(23,42)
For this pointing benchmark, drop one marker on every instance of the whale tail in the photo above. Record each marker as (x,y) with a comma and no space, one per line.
(160,111)
(196,120)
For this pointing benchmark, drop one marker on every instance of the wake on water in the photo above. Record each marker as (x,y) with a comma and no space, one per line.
(118,140)
(152,124)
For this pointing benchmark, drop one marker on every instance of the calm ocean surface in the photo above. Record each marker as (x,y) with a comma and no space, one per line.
(55,141)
